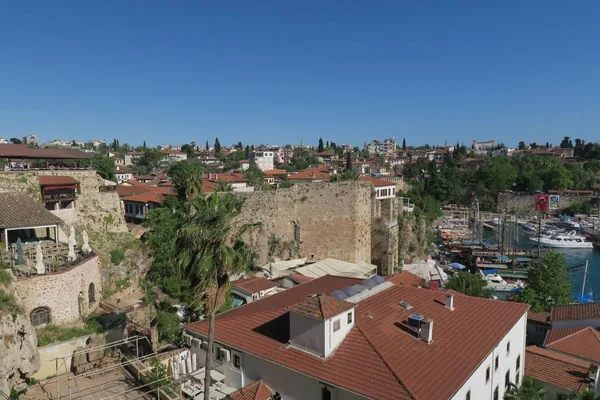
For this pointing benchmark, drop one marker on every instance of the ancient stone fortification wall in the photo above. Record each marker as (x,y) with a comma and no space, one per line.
(384,234)
(313,220)
(61,291)
(98,212)
(525,204)
(18,347)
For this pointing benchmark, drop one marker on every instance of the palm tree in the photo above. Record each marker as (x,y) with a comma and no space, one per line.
(210,252)
(530,389)
(587,394)
(223,186)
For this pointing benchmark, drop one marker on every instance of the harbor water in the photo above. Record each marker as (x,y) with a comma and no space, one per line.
(573,258)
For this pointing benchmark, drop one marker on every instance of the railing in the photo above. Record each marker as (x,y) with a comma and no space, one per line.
(54,255)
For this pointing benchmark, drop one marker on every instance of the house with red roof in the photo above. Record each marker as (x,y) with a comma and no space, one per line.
(309,175)
(237,181)
(383,189)
(360,167)
(347,339)
(326,157)
(137,206)
(123,173)
(249,289)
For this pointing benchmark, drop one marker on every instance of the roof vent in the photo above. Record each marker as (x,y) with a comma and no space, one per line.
(405,304)
(450,301)
(414,320)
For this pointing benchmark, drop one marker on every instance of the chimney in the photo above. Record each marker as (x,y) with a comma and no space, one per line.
(426,331)
(450,301)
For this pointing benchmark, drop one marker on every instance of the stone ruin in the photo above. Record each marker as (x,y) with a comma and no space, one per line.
(84,361)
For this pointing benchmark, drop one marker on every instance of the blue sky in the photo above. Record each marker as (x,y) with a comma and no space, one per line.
(280,71)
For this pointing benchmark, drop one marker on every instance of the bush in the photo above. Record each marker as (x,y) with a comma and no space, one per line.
(5,277)
(116,256)
(8,303)
(52,333)
(167,324)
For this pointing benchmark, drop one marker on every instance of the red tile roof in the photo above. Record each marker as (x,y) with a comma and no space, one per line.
(583,343)
(377,359)
(255,391)
(299,278)
(376,182)
(541,317)
(576,311)
(321,306)
(406,278)
(125,190)
(23,151)
(325,154)
(150,188)
(309,175)
(276,172)
(57,180)
(146,197)
(556,369)
(555,334)
(225,177)
(254,284)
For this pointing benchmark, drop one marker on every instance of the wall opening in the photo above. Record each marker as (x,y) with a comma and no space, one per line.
(40,317)
(91,294)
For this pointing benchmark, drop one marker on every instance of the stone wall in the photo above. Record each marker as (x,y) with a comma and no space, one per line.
(97,211)
(315,221)
(525,204)
(384,234)
(65,293)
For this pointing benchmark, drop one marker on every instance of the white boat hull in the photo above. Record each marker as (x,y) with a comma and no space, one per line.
(562,244)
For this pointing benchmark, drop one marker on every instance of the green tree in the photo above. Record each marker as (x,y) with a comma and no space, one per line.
(321,147)
(217,145)
(144,145)
(186,176)
(247,152)
(586,394)
(348,161)
(469,284)
(207,147)
(404,144)
(211,251)
(529,390)
(255,176)
(223,186)
(521,145)
(547,283)
(147,163)
(105,167)
(15,140)
(566,143)
(190,150)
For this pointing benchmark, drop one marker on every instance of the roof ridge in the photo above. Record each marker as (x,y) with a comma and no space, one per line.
(579,329)
(385,362)
(320,301)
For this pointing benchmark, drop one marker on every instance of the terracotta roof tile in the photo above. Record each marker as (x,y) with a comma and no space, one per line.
(20,210)
(406,278)
(377,359)
(253,284)
(376,182)
(584,343)
(299,278)
(146,197)
(575,311)
(321,306)
(309,175)
(51,180)
(124,190)
(542,317)
(150,188)
(23,151)
(255,391)
(556,369)
(555,334)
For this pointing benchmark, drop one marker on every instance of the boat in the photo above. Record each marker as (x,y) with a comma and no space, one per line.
(569,240)
(498,284)
(530,227)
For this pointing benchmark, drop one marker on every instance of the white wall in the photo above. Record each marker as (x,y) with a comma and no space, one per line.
(482,390)
(334,339)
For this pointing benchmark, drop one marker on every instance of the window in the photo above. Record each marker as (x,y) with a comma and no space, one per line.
(487,375)
(217,352)
(497,363)
(40,316)
(349,318)
(508,347)
(518,368)
(468,396)
(517,378)
(507,380)
(237,361)
(496,393)
(91,294)
(336,325)
(325,394)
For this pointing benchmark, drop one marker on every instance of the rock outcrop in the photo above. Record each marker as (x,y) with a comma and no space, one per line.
(19,358)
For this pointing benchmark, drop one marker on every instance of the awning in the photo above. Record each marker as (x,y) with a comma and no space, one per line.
(489,271)
(457,266)
(50,188)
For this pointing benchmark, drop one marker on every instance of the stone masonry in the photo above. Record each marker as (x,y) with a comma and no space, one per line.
(65,293)
(317,221)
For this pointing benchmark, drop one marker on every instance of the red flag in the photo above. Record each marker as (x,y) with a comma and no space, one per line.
(541,202)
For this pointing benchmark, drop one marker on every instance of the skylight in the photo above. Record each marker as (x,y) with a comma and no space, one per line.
(405,304)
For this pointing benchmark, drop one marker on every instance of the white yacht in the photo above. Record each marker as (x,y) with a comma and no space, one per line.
(498,284)
(569,240)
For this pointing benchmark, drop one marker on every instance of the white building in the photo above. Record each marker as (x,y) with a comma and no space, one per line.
(3,141)
(250,289)
(383,189)
(123,174)
(31,140)
(369,339)
(480,146)
(264,159)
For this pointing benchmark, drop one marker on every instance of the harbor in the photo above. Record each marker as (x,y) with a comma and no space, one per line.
(502,247)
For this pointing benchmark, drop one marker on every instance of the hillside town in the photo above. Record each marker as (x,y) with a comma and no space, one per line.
(297,272)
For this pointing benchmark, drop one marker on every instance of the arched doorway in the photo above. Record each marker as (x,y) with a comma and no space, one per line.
(40,317)
(91,294)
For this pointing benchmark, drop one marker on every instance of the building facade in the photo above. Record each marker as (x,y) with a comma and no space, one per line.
(263,159)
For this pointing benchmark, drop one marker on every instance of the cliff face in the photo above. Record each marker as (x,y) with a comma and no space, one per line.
(18,342)
(412,238)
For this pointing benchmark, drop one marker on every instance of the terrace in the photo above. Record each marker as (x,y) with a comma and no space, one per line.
(19,157)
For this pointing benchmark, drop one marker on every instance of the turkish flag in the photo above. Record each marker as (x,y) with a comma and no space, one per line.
(541,202)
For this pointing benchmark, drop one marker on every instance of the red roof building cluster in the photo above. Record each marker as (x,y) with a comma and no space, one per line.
(255,391)
(253,284)
(560,370)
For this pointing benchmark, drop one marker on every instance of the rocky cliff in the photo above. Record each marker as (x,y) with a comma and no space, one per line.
(19,358)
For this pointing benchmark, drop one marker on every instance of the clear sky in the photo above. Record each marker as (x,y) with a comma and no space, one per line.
(277,71)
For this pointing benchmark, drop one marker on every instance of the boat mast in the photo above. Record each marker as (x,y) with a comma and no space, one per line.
(584,278)
(539,234)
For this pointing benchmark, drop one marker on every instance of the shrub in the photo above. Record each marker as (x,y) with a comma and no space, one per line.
(52,333)
(8,303)
(5,277)
(168,327)
(116,256)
